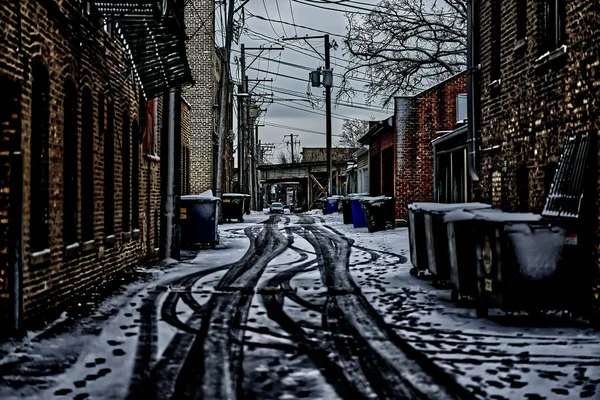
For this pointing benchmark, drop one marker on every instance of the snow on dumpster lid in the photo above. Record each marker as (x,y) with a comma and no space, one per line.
(204,196)
(234,195)
(369,199)
(444,207)
(490,215)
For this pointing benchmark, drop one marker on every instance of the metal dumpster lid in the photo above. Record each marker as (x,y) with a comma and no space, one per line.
(490,215)
(235,195)
(204,196)
(444,207)
(570,179)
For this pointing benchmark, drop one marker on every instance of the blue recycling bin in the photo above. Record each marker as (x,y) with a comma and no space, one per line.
(333,204)
(359,219)
(198,220)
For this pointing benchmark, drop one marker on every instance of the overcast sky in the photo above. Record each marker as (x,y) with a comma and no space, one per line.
(296,114)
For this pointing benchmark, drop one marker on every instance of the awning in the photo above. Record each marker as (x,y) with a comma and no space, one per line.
(154,36)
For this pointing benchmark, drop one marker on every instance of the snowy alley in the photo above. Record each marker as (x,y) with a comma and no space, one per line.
(299,306)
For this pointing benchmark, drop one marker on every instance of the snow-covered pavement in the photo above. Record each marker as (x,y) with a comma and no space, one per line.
(300,306)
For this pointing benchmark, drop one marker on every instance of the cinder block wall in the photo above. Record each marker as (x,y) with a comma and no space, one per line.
(418,120)
(199,21)
(74,47)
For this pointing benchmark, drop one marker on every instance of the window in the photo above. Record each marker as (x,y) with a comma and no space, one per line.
(87,165)
(496,32)
(70,168)
(149,138)
(461,107)
(554,24)
(109,171)
(126,168)
(521,18)
(135,178)
(40,176)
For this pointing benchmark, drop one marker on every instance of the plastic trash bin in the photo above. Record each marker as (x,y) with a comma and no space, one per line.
(332,204)
(428,236)
(358,214)
(461,229)
(519,264)
(378,212)
(233,206)
(198,220)
(347,206)
(246,203)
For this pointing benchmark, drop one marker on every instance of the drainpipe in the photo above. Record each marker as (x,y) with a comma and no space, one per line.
(472,139)
(435,175)
(170,174)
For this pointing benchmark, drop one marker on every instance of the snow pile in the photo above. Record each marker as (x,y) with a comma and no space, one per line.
(538,251)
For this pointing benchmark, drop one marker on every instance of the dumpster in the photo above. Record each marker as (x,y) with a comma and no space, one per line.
(428,236)
(332,204)
(347,206)
(519,263)
(379,211)
(198,220)
(358,214)
(234,206)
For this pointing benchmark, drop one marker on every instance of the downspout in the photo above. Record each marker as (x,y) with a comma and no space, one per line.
(435,175)
(472,139)
(170,174)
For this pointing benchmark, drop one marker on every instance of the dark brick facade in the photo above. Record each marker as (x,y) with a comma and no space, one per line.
(418,120)
(544,92)
(47,47)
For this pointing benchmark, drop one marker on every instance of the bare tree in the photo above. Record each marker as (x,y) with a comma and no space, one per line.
(282,157)
(352,130)
(406,45)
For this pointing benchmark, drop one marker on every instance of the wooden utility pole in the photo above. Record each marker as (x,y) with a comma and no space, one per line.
(224,96)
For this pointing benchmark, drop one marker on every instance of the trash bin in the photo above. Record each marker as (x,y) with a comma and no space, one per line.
(378,212)
(234,206)
(428,236)
(347,206)
(198,220)
(246,203)
(519,264)
(358,214)
(462,232)
(332,204)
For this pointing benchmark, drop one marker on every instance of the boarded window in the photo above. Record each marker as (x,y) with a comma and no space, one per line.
(496,32)
(521,18)
(70,167)
(87,166)
(40,174)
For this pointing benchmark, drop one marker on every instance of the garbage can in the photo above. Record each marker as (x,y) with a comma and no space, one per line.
(462,232)
(347,206)
(519,264)
(234,206)
(198,220)
(332,204)
(246,203)
(427,236)
(358,214)
(378,212)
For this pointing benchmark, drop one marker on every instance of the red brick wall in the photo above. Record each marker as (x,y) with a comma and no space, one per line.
(417,121)
(43,31)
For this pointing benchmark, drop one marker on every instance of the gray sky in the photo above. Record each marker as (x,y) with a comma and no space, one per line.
(296,114)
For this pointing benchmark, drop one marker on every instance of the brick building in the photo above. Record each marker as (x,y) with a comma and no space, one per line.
(401,152)
(537,84)
(79,148)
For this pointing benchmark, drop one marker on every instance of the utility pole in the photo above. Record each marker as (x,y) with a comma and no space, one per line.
(224,96)
(327,83)
(291,143)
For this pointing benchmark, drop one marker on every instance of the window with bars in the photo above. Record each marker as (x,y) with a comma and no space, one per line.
(39,221)
(554,24)
(70,167)
(109,171)
(87,165)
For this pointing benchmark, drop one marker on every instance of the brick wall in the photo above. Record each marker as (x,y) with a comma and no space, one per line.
(540,101)
(418,119)
(199,21)
(48,33)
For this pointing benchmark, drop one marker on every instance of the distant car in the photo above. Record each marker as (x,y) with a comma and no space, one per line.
(286,209)
(276,208)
